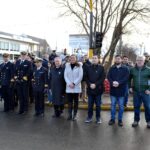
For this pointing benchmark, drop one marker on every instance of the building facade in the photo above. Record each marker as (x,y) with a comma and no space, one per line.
(14,44)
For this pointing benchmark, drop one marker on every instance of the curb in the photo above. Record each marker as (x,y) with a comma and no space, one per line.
(103,107)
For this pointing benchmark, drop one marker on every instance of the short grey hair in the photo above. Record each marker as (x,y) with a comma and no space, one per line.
(58,58)
(140,57)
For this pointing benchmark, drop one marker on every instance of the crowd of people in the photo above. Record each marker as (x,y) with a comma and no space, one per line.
(64,78)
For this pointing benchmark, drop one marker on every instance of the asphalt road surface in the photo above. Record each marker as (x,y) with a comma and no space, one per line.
(29,133)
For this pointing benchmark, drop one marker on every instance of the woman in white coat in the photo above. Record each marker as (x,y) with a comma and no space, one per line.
(73,76)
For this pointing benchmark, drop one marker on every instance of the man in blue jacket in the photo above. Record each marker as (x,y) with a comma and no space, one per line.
(118,77)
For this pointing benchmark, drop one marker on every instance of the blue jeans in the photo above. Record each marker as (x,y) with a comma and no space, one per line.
(114,101)
(91,100)
(49,94)
(138,98)
(126,96)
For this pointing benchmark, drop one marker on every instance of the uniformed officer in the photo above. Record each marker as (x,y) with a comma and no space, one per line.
(30,58)
(15,95)
(6,79)
(40,82)
(22,73)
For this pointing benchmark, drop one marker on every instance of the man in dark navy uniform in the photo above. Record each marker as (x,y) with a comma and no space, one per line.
(15,95)
(6,79)
(30,58)
(22,73)
(40,82)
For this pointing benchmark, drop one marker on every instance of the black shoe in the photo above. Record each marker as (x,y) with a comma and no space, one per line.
(36,114)
(12,110)
(41,115)
(135,124)
(55,116)
(6,110)
(148,125)
(20,112)
(111,122)
(24,113)
(61,112)
(120,123)
(69,118)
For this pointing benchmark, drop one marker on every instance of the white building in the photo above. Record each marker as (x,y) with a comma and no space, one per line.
(14,44)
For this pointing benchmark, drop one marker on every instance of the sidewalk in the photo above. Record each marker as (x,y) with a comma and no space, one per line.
(106,103)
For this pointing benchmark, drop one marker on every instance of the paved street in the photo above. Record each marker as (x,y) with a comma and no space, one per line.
(30,133)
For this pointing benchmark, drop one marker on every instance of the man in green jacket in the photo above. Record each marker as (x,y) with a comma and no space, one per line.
(140,86)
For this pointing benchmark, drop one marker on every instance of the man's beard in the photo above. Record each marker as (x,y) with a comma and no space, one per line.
(117,64)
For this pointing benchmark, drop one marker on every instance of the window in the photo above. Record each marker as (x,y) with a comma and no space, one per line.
(17,47)
(11,46)
(4,45)
(14,46)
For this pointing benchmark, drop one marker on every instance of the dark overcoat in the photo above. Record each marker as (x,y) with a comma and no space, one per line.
(57,85)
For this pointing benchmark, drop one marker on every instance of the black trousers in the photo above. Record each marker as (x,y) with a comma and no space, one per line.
(31,97)
(58,109)
(23,95)
(15,96)
(39,101)
(7,94)
(73,101)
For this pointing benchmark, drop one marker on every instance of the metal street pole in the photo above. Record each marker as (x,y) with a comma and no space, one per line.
(91,30)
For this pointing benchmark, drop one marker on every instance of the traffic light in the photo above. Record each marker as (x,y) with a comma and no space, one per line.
(98,40)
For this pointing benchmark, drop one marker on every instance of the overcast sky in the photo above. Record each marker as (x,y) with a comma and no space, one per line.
(37,18)
(40,18)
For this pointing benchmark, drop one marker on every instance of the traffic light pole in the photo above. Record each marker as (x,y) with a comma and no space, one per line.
(91,30)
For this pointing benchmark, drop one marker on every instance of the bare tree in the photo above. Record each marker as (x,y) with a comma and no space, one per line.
(103,14)
(127,50)
(128,11)
(108,15)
